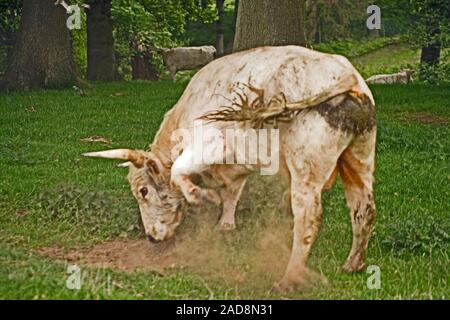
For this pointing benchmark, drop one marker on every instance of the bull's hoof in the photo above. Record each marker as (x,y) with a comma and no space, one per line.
(302,281)
(353,266)
(227,225)
(288,286)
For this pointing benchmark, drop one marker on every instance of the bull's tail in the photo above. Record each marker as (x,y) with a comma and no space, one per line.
(278,109)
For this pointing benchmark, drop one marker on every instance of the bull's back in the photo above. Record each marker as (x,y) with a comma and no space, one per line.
(295,71)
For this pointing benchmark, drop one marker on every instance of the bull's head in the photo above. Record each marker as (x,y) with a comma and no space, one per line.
(161,205)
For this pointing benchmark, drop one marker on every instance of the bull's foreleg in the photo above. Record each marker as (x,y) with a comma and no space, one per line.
(230,197)
(181,171)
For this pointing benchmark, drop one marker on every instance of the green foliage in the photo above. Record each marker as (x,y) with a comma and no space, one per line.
(10,12)
(353,48)
(135,25)
(327,21)
(79,45)
(395,16)
(431,23)
(200,33)
(152,24)
(435,74)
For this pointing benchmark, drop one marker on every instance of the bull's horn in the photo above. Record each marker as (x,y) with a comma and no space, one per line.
(133,156)
(125,164)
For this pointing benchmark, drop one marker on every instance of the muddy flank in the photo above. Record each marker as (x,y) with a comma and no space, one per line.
(257,250)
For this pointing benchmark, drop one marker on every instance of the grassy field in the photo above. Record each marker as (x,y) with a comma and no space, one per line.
(51,197)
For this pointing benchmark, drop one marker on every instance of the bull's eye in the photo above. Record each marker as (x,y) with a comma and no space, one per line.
(143,191)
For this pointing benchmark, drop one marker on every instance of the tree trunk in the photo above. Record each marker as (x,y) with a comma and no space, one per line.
(100,44)
(269,22)
(317,23)
(374,33)
(141,66)
(431,54)
(229,46)
(220,28)
(42,53)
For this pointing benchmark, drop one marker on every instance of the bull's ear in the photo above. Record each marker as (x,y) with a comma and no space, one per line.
(136,157)
(154,165)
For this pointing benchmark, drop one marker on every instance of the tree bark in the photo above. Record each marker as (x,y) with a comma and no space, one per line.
(101,59)
(374,33)
(141,66)
(268,22)
(317,23)
(229,46)
(42,53)
(431,54)
(220,28)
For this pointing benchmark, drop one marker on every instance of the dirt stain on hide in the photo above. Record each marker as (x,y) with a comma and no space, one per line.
(352,115)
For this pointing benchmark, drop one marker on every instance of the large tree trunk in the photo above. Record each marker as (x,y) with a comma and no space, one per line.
(42,53)
(269,22)
(374,33)
(220,28)
(141,66)
(229,46)
(317,22)
(431,54)
(100,43)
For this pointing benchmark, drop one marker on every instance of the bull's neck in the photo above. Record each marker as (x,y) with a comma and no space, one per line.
(162,144)
(162,151)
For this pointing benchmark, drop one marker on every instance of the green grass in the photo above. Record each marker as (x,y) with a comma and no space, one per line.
(390,59)
(355,48)
(50,195)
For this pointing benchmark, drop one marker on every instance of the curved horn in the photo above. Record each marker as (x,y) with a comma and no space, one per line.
(133,156)
(124,164)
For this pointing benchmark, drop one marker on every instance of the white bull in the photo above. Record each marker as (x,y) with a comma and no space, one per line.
(326,119)
(187,58)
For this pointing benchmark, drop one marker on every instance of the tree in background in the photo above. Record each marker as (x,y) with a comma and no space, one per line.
(328,20)
(42,53)
(101,62)
(143,27)
(220,27)
(268,22)
(10,11)
(431,28)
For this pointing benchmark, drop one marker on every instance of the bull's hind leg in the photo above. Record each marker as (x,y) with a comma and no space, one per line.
(356,167)
(311,162)
(307,209)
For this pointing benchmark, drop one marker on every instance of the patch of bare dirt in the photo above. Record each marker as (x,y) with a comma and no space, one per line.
(96,139)
(426,118)
(255,254)
(126,255)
